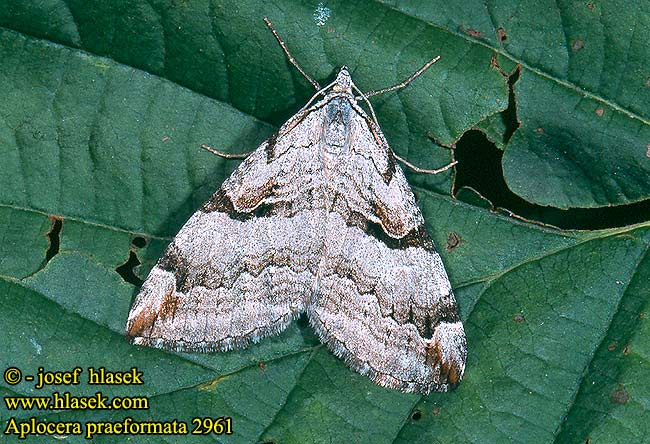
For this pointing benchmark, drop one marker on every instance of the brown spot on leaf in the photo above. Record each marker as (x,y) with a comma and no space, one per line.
(641,315)
(453,241)
(626,350)
(518,318)
(539,130)
(590,5)
(262,365)
(611,347)
(501,33)
(600,111)
(577,45)
(619,396)
(647,150)
(473,33)
(494,63)
(435,411)
(647,82)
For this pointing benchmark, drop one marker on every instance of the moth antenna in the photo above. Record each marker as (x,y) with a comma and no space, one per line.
(405,82)
(314,83)
(315,96)
(422,170)
(363,97)
(225,155)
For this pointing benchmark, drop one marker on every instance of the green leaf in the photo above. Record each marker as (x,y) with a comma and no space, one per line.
(583,96)
(105,106)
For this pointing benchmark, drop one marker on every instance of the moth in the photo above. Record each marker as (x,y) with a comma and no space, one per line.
(319,219)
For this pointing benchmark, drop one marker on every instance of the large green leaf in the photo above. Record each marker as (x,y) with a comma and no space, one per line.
(583,96)
(105,105)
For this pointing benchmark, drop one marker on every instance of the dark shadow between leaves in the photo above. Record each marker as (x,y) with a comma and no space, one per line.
(479,169)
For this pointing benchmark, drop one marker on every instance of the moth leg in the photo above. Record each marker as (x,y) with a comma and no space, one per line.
(422,170)
(314,83)
(405,82)
(226,155)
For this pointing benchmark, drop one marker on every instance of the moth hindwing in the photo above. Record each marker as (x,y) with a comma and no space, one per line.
(319,219)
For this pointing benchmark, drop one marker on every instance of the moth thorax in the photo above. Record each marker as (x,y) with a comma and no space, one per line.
(343,81)
(337,119)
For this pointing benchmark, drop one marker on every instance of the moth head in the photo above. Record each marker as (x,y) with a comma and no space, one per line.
(343,81)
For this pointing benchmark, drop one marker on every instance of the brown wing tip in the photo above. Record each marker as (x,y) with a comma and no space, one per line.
(136,326)
(447,351)
(144,321)
(451,371)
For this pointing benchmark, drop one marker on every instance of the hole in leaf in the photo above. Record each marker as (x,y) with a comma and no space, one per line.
(126,270)
(416,415)
(139,242)
(479,168)
(54,237)
(501,33)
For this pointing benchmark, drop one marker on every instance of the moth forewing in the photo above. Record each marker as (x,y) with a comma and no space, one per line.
(318,219)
